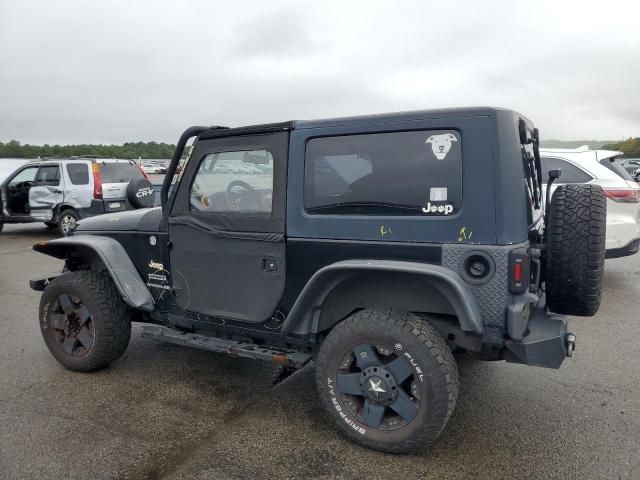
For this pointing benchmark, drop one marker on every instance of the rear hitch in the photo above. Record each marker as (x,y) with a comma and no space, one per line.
(570,340)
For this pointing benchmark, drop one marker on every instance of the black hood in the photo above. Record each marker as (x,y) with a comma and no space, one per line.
(144,219)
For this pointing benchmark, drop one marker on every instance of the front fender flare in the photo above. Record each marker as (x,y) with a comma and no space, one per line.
(304,315)
(115,259)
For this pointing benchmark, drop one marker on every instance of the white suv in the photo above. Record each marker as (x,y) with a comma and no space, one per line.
(582,165)
(58,192)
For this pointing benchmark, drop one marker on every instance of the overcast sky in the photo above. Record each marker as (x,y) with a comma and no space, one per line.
(116,71)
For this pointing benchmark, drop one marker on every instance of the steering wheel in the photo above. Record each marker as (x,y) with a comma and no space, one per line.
(234,203)
(21,187)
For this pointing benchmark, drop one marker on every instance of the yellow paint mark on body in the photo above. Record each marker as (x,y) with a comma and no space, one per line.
(464,235)
(384,230)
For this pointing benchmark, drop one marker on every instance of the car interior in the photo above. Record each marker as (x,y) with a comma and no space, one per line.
(18,190)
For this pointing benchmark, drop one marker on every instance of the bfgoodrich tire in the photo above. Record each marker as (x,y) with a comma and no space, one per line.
(84,321)
(576,230)
(388,379)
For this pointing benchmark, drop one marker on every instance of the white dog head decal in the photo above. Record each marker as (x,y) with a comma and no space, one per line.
(441,144)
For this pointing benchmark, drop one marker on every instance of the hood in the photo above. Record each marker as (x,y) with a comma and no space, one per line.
(143,219)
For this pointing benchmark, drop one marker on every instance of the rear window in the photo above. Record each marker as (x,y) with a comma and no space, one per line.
(119,172)
(400,173)
(78,173)
(570,173)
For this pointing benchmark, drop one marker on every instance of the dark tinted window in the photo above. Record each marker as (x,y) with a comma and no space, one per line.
(616,168)
(119,172)
(570,173)
(78,173)
(48,175)
(402,173)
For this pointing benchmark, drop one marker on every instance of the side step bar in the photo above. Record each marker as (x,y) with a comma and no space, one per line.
(234,348)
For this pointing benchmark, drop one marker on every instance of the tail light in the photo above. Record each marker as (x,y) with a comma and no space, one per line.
(97,181)
(518,270)
(623,195)
(141,170)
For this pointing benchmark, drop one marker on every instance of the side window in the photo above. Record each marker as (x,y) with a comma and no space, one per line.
(48,175)
(78,173)
(398,173)
(570,173)
(238,181)
(26,175)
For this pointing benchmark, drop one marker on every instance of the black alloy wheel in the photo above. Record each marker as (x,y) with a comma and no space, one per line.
(84,321)
(73,325)
(388,379)
(378,386)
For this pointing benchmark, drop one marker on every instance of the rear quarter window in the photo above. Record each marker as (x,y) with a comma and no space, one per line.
(398,173)
(615,167)
(119,172)
(570,173)
(78,173)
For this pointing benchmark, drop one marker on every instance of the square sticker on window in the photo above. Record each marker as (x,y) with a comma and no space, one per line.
(438,194)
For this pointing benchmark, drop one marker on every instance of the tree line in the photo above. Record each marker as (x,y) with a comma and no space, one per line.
(129,150)
(630,147)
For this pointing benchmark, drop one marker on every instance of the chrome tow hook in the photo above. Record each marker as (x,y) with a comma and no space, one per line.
(571,344)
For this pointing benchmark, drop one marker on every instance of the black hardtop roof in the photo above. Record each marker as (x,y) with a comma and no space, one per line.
(355,120)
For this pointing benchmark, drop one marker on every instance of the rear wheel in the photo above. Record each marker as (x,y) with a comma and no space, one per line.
(575,254)
(388,379)
(84,321)
(1,226)
(67,220)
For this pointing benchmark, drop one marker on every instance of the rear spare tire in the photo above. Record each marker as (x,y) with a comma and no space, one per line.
(140,193)
(576,226)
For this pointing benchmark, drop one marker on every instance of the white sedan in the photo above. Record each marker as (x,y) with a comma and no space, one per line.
(150,168)
(598,167)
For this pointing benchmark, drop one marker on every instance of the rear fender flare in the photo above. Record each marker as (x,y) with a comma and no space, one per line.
(112,255)
(304,316)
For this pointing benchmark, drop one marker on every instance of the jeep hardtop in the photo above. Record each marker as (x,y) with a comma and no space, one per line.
(375,246)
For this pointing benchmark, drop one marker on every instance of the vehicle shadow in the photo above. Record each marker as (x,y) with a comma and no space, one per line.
(506,414)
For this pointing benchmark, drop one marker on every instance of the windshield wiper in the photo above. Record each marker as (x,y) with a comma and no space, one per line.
(346,205)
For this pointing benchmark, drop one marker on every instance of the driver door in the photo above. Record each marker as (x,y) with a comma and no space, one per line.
(17,191)
(226,228)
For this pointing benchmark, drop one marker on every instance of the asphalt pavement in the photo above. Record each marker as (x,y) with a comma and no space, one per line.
(165,411)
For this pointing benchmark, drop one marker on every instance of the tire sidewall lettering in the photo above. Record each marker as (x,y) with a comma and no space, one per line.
(345,414)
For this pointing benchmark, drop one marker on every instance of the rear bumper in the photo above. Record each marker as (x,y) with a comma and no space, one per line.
(629,249)
(546,344)
(98,207)
(621,231)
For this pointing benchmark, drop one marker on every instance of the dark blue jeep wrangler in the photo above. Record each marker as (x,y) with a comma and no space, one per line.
(374,246)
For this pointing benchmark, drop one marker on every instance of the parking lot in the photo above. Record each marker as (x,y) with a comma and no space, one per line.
(171,412)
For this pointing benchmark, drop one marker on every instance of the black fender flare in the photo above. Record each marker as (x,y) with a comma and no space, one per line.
(115,259)
(304,315)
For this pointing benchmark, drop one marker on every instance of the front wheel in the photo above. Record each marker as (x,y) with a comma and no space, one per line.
(84,321)
(388,379)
